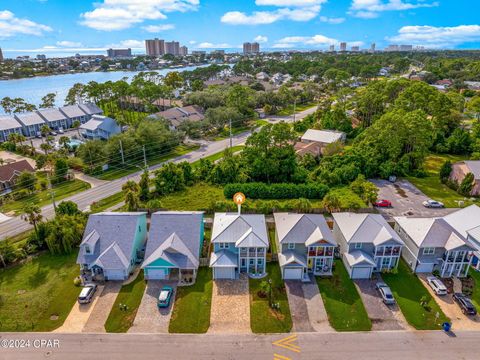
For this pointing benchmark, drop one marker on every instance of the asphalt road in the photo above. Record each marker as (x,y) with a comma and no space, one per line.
(390,345)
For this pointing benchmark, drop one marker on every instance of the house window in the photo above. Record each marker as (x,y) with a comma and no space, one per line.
(252,261)
(87,249)
(291,246)
(428,251)
(223,245)
(358,245)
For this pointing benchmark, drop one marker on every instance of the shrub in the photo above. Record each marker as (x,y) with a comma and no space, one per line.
(277,191)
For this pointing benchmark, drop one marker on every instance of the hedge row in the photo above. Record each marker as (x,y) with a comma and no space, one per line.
(277,191)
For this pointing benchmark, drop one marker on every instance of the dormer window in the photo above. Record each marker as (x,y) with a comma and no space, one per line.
(87,249)
(291,246)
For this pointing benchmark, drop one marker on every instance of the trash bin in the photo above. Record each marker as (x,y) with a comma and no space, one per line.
(446,326)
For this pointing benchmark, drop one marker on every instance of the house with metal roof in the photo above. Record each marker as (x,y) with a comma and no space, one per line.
(74,113)
(100,128)
(240,244)
(54,118)
(112,244)
(315,141)
(305,245)
(9,125)
(91,109)
(175,242)
(434,244)
(31,123)
(367,243)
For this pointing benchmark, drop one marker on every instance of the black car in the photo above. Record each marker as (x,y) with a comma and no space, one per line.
(465,304)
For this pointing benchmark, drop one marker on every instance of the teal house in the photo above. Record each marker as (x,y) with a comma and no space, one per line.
(174,246)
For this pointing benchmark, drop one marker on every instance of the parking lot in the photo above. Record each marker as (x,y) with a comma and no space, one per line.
(406,200)
(71,133)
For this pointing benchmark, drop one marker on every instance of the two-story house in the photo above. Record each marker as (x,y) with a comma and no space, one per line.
(9,125)
(100,128)
(55,118)
(305,245)
(240,244)
(433,244)
(31,122)
(112,243)
(367,243)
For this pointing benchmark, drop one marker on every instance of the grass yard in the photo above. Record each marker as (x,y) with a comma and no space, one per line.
(39,294)
(107,202)
(218,155)
(263,319)
(119,321)
(42,198)
(300,107)
(118,172)
(273,243)
(191,312)
(196,197)
(431,184)
(344,306)
(408,290)
(476,290)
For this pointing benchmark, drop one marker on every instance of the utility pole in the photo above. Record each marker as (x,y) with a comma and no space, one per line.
(294,108)
(121,151)
(144,157)
(231,140)
(52,193)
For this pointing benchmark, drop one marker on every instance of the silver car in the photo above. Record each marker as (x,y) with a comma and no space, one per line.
(86,295)
(385,293)
(433,204)
(437,285)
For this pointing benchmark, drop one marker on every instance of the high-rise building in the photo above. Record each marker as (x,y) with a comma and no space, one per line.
(1,55)
(183,51)
(372,47)
(343,46)
(255,48)
(251,48)
(332,48)
(172,47)
(41,57)
(119,53)
(391,48)
(406,47)
(355,48)
(155,47)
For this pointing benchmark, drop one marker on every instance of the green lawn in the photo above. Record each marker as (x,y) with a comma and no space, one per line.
(225,133)
(119,321)
(118,171)
(191,312)
(344,306)
(42,198)
(476,290)
(263,319)
(288,110)
(218,155)
(273,243)
(408,290)
(38,295)
(196,197)
(432,186)
(107,202)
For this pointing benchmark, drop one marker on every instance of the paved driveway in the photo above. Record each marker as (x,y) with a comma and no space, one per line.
(406,200)
(452,310)
(149,318)
(101,310)
(230,306)
(383,317)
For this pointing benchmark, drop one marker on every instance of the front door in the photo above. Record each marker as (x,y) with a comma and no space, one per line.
(319,264)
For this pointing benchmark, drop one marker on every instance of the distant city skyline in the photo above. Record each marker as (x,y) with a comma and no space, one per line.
(60,28)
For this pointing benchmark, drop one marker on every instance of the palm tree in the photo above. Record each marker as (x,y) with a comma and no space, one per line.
(32,215)
(131,190)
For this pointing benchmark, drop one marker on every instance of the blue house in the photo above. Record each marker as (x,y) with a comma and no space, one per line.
(100,128)
(31,123)
(111,244)
(240,244)
(9,125)
(174,246)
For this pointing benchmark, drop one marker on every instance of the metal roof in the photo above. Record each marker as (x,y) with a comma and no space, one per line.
(232,227)
(8,122)
(30,118)
(305,229)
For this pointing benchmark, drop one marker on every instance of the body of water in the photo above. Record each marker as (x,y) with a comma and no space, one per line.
(33,89)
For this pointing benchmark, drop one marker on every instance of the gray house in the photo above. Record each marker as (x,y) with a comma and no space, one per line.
(74,113)
(31,123)
(111,244)
(90,109)
(434,244)
(240,244)
(174,245)
(100,127)
(306,245)
(367,243)
(54,118)
(9,125)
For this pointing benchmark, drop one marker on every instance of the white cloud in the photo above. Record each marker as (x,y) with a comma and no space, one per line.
(261,39)
(295,10)
(10,26)
(122,14)
(69,44)
(437,37)
(158,28)
(332,20)
(310,41)
(369,9)
(133,44)
(208,45)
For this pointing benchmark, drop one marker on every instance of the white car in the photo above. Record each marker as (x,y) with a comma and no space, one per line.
(433,204)
(437,285)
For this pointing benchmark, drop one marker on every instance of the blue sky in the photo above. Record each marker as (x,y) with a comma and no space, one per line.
(69,26)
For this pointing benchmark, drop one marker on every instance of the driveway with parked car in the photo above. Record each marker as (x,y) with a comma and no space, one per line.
(383,316)
(406,200)
(102,307)
(150,317)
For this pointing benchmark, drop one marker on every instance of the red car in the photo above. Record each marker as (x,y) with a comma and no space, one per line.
(383,203)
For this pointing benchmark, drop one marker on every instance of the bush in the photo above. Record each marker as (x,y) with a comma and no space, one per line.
(277,191)
(75,163)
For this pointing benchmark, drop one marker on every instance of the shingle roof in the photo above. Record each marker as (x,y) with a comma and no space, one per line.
(305,229)
(30,118)
(231,227)
(8,122)
(9,171)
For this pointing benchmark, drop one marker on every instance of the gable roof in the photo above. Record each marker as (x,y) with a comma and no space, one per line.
(111,236)
(223,258)
(90,109)
(474,167)
(175,237)
(305,229)
(358,257)
(52,114)
(291,257)
(101,122)
(323,136)
(248,229)
(72,111)
(30,118)
(365,228)
(11,170)
(8,122)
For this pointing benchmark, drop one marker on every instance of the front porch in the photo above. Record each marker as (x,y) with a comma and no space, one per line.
(320,260)
(455,263)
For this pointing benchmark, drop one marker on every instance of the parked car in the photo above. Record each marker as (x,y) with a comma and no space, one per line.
(465,304)
(437,285)
(38,135)
(165,297)
(60,131)
(53,133)
(433,204)
(86,295)
(383,203)
(385,292)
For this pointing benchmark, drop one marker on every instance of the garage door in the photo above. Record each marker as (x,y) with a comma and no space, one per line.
(361,272)
(115,275)
(292,273)
(224,273)
(424,268)
(156,274)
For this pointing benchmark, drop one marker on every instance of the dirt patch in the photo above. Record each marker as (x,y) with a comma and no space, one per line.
(400,191)
(54,317)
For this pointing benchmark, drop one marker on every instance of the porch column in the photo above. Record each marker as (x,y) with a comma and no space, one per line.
(444,263)
(468,266)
